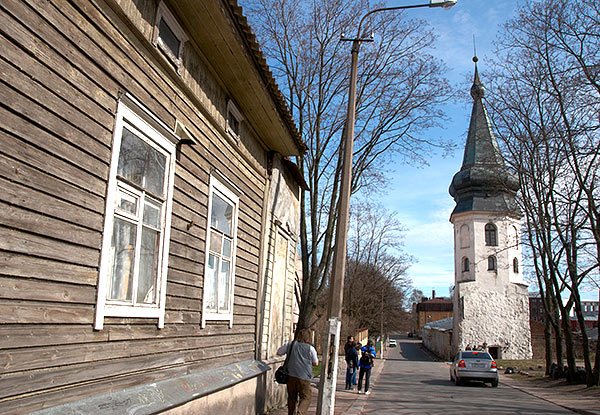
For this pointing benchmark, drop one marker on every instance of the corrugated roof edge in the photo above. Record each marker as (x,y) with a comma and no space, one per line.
(267,75)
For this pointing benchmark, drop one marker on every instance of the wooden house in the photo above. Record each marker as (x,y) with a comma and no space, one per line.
(148,209)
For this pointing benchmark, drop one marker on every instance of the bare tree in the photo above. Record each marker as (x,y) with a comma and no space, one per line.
(545,103)
(376,286)
(400,87)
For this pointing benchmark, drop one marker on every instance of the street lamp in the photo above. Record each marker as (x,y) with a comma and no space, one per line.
(327,384)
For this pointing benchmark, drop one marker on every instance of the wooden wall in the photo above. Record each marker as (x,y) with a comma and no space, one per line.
(63,65)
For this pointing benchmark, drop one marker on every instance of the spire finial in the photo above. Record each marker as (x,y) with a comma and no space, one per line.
(477,90)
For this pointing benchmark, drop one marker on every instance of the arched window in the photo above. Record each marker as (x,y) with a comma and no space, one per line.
(492,263)
(465,264)
(516,236)
(464,236)
(491,235)
(516,266)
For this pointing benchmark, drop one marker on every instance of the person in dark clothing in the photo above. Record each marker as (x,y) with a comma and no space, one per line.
(366,364)
(351,361)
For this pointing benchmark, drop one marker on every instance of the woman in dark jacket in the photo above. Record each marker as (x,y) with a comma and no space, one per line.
(351,365)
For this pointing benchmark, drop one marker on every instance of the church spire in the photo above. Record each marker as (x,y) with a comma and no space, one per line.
(483,182)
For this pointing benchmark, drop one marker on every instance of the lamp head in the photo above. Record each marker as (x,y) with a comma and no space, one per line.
(446,4)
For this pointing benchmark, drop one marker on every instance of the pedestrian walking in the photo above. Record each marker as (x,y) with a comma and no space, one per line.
(302,357)
(366,364)
(351,361)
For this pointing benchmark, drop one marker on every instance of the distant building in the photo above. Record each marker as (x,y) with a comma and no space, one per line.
(536,308)
(434,309)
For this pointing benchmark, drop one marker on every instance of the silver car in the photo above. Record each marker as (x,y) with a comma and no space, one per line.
(474,365)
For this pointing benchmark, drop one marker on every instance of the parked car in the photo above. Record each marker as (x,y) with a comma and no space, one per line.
(393,343)
(474,365)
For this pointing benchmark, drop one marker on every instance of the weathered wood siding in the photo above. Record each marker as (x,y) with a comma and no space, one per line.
(63,65)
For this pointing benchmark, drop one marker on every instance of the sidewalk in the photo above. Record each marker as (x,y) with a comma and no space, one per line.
(572,397)
(346,402)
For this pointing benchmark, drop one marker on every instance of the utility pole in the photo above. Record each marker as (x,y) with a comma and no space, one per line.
(329,366)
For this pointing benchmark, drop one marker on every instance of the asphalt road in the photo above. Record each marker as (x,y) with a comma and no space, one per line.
(411,383)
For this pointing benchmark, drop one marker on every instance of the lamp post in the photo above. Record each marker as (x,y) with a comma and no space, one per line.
(329,366)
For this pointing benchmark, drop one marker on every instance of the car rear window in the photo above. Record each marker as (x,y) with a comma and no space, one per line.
(476,355)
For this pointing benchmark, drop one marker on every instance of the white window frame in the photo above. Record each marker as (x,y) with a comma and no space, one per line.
(217,187)
(139,121)
(163,12)
(233,110)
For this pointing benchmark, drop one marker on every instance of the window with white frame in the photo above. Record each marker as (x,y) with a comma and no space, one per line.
(169,37)
(135,243)
(221,240)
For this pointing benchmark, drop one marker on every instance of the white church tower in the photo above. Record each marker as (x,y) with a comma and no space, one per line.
(490,303)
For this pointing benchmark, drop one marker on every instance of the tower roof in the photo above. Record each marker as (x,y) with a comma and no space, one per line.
(483,182)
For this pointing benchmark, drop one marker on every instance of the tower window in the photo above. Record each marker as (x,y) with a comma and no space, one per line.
(492,263)
(515,265)
(465,264)
(491,235)
(464,236)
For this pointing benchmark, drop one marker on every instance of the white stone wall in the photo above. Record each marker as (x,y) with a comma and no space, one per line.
(495,317)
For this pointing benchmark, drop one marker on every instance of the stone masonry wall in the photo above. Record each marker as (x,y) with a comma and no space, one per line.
(495,317)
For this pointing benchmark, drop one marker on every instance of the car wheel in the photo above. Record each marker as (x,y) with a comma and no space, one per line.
(495,383)
(451,377)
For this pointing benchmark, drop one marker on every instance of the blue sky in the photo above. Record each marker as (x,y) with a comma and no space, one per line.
(420,195)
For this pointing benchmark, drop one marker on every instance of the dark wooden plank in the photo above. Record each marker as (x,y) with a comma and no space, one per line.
(57,356)
(68,91)
(22,312)
(183,290)
(187,278)
(17,218)
(40,290)
(68,24)
(89,80)
(60,128)
(181,303)
(31,381)
(28,336)
(39,93)
(25,243)
(47,205)
(27,403)
(128,332)
(43,161)
(27,266)
(88,168)
(20,173)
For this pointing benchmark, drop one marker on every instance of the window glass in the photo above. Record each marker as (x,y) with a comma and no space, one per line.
(515,265)
(168,38)
(465,264)
(148,266)
(152,215)
(234,123)
(224,286)
(476,355)
(127,203)
(491,263)
(221,215)
(491,238)
(141,164)
(123,256)
(210,284)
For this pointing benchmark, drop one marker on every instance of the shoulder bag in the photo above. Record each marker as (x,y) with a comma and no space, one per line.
(281,374)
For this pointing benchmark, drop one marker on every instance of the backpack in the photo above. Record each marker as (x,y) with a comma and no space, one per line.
(366,359)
